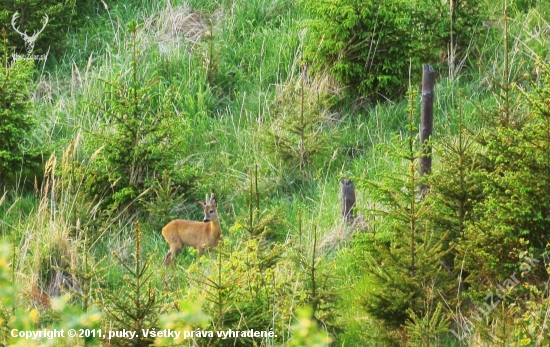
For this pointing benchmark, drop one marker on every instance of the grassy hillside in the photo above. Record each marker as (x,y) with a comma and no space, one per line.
(154,104)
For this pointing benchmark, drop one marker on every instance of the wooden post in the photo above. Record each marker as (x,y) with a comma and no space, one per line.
(348,199)
(427,121)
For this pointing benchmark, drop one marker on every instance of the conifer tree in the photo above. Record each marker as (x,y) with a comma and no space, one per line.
(140,141)
(454,188)
(513,217)
(317,278)
(258,223)
(239,290)
(299,134)
(404,267)
(136,305)
(455,191)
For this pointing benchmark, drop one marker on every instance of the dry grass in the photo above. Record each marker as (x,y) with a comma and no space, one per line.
(179,27)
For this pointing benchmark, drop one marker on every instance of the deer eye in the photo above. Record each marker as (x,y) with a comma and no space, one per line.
(211,211)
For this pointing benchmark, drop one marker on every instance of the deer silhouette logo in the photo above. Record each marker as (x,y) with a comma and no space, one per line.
(29,40)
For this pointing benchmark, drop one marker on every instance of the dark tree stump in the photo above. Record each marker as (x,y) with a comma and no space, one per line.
(348,199)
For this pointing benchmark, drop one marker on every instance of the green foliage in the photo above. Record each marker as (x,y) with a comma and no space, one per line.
(526,5)
(137,305)
(258,223)
(455,29)
(317,276)
(454,189)
(402,271)
(31,21)
(429,329)
(16,121)
(513,217)
(365,45)
(531,318)
(142,139)
(244,290)
(534,46)
(166,198)
(300,132)
(12,316)
(305,331)
(217,94)
(254,286)
(498,208)
(67,174)
(373,48)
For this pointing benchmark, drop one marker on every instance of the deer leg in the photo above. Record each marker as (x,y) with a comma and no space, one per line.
(168,259)
(175,249)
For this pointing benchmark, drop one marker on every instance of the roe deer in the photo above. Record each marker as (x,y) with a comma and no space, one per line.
(179,233)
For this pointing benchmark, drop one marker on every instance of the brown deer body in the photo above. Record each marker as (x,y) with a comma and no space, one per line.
(200,235)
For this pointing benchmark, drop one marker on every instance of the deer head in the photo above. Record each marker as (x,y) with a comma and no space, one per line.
(29,40)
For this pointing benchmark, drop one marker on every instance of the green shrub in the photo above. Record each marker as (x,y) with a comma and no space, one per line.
(244,290)
(138,304)
(143,138)
(373,47)
(401,273)
(513,217)
(14,316)
(16,121)
(300,132)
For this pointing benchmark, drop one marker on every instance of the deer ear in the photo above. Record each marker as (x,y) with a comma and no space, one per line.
(203,205)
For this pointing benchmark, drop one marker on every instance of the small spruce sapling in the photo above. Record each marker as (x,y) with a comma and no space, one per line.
(402,269)
(513,217)
(317,277)
(141,139)
(258,223)
(300,133)
(137,304)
